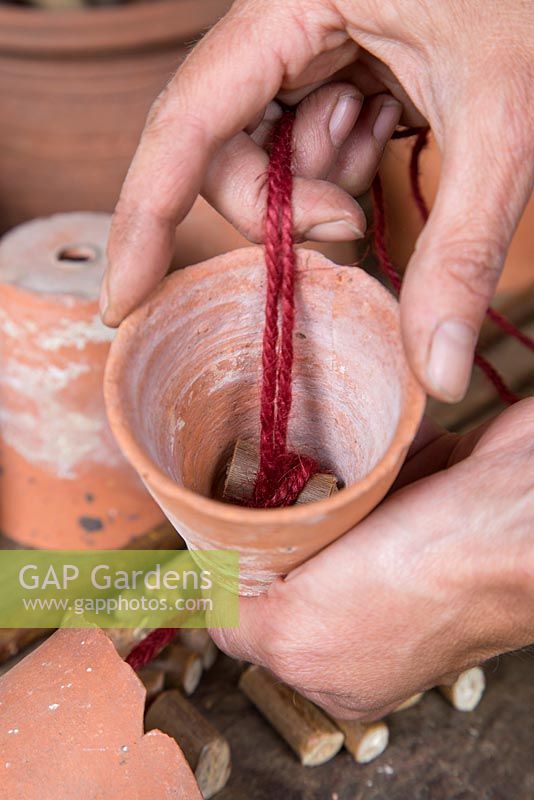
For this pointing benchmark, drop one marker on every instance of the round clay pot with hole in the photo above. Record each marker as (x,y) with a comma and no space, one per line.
(64,483)
(183,384)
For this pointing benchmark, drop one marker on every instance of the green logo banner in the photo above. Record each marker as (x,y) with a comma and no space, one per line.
(118,589)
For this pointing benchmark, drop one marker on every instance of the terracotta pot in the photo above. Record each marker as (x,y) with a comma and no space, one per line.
(75,89)
(71,717)
(182,385)
(64,482)
(405,222)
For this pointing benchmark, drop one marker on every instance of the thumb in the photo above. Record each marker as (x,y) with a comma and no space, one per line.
(485,184)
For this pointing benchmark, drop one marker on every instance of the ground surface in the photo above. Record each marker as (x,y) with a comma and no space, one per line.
(435,752)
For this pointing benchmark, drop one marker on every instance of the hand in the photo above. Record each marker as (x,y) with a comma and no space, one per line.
(465,66)
(437,579)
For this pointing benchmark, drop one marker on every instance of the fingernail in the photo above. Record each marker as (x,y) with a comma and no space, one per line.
(273,111)
(339,230)
(104,300)
(386,121)
(343,117)
(451,359)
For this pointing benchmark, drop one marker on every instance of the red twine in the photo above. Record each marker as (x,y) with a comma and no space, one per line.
(391,273)
(150,647)
(282,475)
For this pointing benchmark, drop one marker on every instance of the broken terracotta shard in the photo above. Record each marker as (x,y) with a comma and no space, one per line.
(71,725)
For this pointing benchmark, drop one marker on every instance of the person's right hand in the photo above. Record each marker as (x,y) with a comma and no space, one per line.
(437,578)
(463,66)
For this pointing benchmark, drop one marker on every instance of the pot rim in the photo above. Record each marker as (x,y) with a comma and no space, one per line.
(413,404)
(85,32)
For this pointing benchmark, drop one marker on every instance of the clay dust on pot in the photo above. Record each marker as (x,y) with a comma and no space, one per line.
(64,483)
(183,384)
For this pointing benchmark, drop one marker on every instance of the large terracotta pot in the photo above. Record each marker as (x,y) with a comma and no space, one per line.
(64,482)
(71,726)
(75,89)
(405,222)
(182,385)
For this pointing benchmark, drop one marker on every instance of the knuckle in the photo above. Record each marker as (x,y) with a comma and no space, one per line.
(251,201)
(153,120)
(475,265)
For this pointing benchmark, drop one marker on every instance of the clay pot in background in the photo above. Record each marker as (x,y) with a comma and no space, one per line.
(71,726)
(182,385)
(405,223)
(64,482)
(75,89)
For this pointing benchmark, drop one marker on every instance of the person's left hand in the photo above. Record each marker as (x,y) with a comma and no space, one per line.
(437,579)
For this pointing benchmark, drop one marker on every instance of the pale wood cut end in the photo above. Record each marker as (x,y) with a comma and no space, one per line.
(467,690)
(242,471)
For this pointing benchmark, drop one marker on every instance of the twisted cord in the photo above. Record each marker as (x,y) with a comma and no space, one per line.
(281,475)
(391,273)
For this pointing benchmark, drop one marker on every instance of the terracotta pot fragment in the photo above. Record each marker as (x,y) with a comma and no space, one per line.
(182,385)
(64,482)
(71,726)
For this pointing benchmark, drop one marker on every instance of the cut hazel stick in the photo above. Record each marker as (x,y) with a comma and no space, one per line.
(466,691)
(306,729)
(181,667)
(206,750)
(365,741)
(199,641)
(153,681)
(242,471)
(409,702)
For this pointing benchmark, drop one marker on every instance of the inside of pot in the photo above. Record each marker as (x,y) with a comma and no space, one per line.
(190,385)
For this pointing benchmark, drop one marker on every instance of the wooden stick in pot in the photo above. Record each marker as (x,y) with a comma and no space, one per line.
(242,471)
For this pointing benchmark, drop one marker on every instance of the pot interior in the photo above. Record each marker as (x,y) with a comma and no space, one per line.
(189,386)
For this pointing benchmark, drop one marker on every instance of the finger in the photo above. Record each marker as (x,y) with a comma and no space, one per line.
(373,76)
(209,100)
(322,68)
(323,122)
(261,129)
(451,279)
(361,153)
(235,184)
